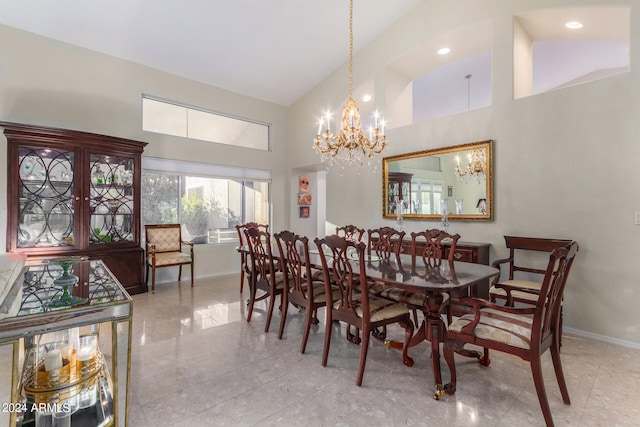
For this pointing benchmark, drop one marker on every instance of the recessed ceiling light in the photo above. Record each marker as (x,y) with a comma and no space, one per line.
(366,98)
(573,25)
(443,51)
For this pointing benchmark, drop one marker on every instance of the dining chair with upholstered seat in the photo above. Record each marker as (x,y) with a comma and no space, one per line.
(263,273)
(346,260)
(525,266)
(526,332)
(351,232)
(164,248)
(244,264)
(384,244)
(301,290)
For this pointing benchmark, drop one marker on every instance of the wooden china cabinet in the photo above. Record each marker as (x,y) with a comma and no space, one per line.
(399,191)
(75,193)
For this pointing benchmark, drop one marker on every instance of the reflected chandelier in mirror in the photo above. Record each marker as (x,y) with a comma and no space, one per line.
(456,181)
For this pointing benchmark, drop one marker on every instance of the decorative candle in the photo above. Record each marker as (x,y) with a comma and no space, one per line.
(376,115)
(65,350)
(320,126)
(328,120)
(84,354)
(52,360)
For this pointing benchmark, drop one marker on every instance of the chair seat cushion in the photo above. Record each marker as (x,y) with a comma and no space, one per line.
(495,325)
(380,308)
(168,258)
(501,293)
(319,294)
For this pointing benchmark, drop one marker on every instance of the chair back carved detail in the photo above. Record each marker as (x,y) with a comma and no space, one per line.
(385,242)
(350,232)
(428,246)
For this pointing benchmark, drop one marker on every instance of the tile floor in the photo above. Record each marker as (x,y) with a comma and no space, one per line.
(197,362)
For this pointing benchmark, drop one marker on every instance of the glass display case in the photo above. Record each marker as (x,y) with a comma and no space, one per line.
(60,372)
(399,193)
(75,193)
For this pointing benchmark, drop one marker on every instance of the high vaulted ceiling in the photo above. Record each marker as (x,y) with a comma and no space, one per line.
(275,50)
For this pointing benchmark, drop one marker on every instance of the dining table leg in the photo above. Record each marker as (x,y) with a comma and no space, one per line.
(431,330)
(434,334)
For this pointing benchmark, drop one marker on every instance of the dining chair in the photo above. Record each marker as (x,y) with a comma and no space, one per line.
(385,243)
(428,250)
(164,248)
(244,265)
(526,332)
(346,259)
(525,266)
(263,273)
(351,232)
(302,291)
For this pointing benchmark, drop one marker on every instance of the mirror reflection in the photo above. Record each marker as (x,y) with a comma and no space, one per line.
(456,181)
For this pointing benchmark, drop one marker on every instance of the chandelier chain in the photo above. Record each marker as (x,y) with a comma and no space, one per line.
(350,49)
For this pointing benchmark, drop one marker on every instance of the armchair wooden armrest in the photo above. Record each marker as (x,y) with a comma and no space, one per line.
(478,303)
(508,288)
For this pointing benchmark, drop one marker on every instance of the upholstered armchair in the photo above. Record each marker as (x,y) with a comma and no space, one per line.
(164,247)
(527,332)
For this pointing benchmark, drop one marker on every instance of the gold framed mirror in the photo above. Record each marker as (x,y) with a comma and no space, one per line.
(456,179)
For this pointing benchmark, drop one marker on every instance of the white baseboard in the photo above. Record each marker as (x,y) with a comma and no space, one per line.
(604,338)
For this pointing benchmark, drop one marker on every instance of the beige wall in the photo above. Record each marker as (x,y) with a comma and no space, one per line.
(564,160)
(55,84)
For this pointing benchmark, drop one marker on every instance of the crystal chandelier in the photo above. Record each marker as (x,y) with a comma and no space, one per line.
(476,169)
(350,146)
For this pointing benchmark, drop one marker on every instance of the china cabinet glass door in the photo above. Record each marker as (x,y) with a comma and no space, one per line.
(45,191)
(111,199)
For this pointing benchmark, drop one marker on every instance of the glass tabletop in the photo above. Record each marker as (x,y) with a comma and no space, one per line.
(27,307)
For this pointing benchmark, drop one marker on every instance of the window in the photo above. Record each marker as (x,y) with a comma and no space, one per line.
(208,207)
(426,196)
(189,122)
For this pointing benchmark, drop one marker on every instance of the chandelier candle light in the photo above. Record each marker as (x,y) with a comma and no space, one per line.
(350,146)
(476,168)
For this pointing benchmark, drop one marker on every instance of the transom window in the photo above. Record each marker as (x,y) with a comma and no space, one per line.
(189,122)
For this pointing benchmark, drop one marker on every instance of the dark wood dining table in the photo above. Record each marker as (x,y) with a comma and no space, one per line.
(434,283)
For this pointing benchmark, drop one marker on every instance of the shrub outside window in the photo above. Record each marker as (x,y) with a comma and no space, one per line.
(208,208)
